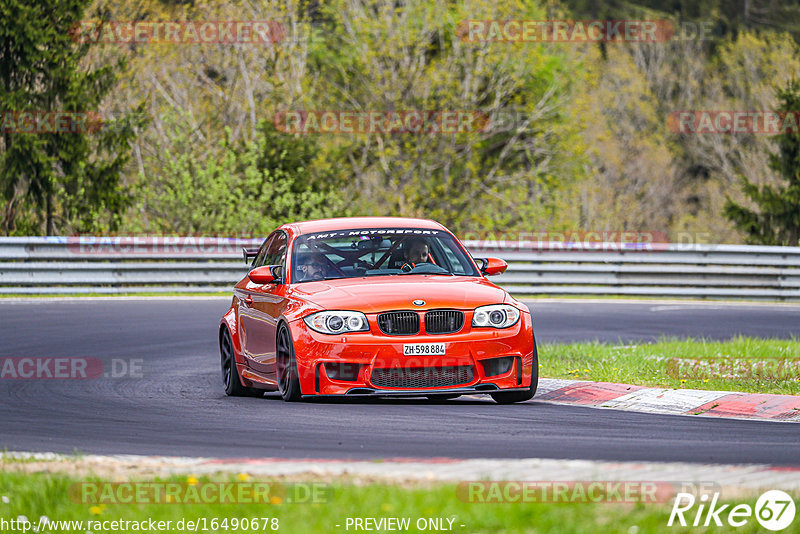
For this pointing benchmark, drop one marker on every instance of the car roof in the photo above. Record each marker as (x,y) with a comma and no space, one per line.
(346,223)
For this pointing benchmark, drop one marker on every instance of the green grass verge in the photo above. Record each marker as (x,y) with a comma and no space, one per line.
(40,494)
(740,364)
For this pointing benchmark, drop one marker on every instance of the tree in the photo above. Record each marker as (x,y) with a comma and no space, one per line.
(730,16)
(60,180)
(510,174)
(777,220)
(241,188)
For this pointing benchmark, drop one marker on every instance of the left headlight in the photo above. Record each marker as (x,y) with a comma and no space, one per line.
(337,322)
(495,316)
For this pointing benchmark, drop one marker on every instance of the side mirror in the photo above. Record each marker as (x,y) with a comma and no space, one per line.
(265,274)
(492,266)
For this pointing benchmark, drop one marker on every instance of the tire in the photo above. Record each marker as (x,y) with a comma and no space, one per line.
(510,397)
(286,366)
(230,374)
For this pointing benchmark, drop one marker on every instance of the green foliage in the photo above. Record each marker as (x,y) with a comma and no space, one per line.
(777,220)
(64,181)
(729,17)
(587,147)
(376,57)
(242,188)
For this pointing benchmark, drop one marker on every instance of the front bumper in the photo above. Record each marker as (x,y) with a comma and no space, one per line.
(374,352)
(479,389)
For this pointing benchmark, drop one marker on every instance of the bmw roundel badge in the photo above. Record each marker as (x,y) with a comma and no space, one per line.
(418,302)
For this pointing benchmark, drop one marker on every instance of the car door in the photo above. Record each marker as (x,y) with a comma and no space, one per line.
(261,307)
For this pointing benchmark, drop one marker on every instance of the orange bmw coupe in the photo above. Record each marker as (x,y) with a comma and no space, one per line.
(377,306)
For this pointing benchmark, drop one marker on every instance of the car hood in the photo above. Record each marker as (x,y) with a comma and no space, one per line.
(378,294)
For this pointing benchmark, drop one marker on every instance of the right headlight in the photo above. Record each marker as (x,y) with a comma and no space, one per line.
(495,316)
(337,322)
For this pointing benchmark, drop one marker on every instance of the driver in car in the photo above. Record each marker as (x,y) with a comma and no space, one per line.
(416,251)
(311,266)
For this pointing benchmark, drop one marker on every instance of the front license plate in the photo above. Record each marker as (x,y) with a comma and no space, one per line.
(424,349)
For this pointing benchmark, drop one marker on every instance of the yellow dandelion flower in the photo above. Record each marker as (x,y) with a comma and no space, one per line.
(192,480)
(275,500)
(95,510)
(243,477)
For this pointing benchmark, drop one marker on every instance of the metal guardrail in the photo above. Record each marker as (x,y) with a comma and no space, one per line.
(51,265)
(109,265)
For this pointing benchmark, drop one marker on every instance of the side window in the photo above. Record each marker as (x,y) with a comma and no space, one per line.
(455,266)
(259,260)
(276,250)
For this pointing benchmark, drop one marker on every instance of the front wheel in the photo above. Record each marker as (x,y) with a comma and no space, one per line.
(286,363)
(510,397)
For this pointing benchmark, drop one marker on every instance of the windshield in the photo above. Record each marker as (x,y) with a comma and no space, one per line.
(378,252)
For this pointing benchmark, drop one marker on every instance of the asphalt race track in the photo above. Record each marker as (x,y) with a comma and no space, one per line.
(177,407)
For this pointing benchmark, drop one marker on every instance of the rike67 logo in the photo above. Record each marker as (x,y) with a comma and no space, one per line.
(774,510)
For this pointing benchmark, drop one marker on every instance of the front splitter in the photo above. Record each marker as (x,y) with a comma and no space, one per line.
(478,389)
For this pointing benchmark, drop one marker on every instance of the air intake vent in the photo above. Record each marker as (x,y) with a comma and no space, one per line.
(422,377)
(399,323)
(443,321)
